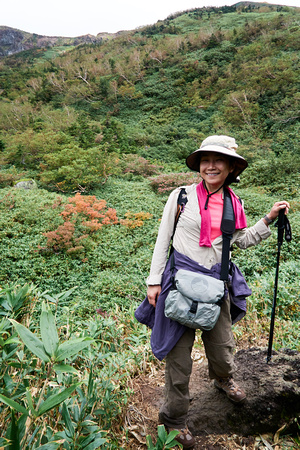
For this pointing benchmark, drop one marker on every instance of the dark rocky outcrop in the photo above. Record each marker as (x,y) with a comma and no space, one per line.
(273,396)
(14,41)
(11,41)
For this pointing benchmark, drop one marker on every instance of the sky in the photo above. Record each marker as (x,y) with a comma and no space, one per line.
(73,18)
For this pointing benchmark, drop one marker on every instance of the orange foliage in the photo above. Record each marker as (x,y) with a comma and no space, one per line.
(81,211)
(62,237)
(134,220)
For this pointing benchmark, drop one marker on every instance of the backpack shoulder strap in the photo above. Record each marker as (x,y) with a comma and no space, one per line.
(227,228)
(181,202)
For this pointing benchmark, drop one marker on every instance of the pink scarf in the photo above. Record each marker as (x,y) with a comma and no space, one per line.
(240,218)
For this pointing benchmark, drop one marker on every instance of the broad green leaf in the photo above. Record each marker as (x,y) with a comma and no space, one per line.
(90,383)
(9,355)
(171,436)
(30,402)
(65,368)
(85,441)
(52,445)
(171,442)
(13,404)
(15,297)
(48,331)
(31,341)
(72,347)
(67,420)
(95,444)
(59,297)
(149,441)
(14,433)
(162,434)
(12,340)
(66,294)
(6,305)
(56,399)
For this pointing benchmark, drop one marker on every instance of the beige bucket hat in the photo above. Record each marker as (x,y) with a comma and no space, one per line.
(218,144)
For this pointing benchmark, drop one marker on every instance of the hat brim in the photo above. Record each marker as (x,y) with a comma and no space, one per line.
(193,160)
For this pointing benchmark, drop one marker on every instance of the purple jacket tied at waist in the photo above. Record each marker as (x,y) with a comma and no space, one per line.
(166,332)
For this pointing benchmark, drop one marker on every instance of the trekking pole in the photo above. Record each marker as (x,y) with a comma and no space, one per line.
(283,225)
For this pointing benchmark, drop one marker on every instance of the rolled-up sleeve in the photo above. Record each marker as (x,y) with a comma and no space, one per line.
(247,237)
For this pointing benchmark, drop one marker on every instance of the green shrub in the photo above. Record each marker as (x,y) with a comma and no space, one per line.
(72,382)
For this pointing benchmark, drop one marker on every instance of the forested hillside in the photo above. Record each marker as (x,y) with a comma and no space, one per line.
(155,92)
(100,132)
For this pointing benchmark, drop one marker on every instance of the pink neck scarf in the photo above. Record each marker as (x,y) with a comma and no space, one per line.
(240,218)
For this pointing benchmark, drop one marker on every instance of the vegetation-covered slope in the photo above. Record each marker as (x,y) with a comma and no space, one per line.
(156,92)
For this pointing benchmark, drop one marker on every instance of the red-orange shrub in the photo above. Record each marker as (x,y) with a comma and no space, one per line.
(137,165)
(167,182)
(83,216)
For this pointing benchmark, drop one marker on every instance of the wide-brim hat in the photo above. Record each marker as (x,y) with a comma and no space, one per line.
(218,144)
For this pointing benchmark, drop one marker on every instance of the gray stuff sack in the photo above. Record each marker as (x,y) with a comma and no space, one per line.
(195,301)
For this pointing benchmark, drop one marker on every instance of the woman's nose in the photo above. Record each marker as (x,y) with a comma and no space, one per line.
(211,163)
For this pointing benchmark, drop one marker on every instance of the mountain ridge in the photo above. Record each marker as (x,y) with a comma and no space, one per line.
(13,40)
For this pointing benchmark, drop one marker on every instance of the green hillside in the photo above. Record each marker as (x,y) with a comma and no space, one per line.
(103,131)
(157,92)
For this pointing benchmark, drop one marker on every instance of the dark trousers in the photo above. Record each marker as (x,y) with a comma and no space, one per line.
(219,346)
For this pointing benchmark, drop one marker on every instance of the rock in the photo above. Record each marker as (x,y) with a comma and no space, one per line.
(11,41)
(26,184)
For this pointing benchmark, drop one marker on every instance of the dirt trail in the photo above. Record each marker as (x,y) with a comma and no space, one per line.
(273,402)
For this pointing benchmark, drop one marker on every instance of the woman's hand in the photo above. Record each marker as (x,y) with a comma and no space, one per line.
(273,214)
(153,292)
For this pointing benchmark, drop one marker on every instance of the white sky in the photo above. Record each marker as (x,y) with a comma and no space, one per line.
(78,17)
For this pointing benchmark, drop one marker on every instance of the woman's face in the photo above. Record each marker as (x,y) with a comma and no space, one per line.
(214,169)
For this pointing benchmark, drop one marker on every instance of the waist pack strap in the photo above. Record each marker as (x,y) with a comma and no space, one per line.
(194,307)
(172,267)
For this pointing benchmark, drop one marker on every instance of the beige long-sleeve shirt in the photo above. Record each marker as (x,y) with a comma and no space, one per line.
(187,234)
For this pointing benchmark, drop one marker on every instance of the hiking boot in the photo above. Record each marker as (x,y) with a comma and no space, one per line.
(185,437)
(232,389)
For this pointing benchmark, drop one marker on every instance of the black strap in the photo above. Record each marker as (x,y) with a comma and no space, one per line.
(181,202)
(193,308)
(227,228)
(210,194)
(284,227)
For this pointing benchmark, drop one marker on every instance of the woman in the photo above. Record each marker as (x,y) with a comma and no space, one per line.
(197,242)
